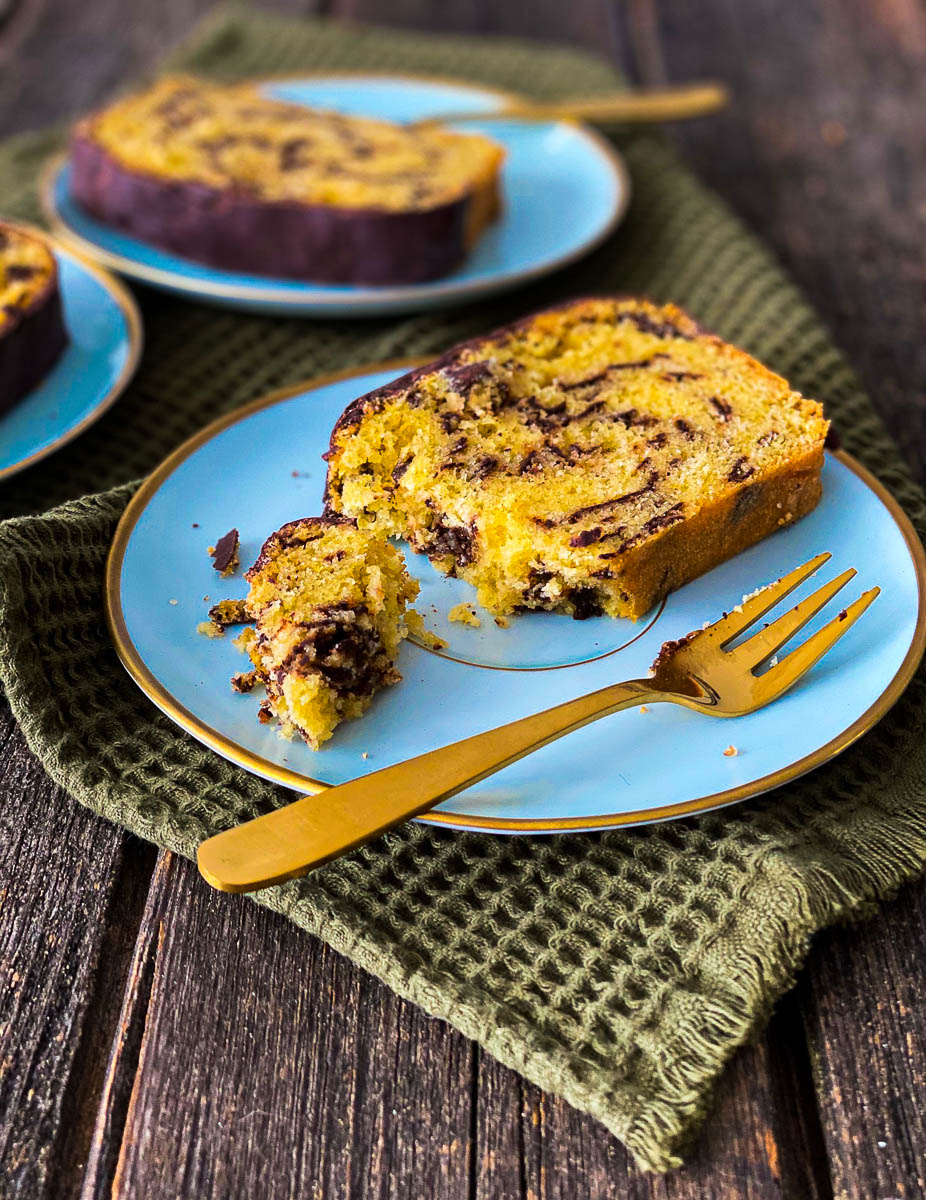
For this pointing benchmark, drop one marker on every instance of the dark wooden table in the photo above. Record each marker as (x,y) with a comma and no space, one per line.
(160,1040)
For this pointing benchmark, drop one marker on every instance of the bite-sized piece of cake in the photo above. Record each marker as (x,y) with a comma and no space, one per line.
(32,332)
(329,604)
(587,459)
(230,178)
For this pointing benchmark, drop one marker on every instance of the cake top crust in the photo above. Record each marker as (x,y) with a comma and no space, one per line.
(27,271)
(232,138)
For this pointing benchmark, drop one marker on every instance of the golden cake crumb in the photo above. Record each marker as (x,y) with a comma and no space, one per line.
(643,708)
(210,629)
(730,752)
(465,614)
(414,622)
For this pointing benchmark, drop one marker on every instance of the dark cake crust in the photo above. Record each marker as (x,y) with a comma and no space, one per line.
(31,342)
(235,232)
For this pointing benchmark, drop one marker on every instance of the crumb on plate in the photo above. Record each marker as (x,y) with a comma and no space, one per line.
(414,622)
(224,553)
(465,614)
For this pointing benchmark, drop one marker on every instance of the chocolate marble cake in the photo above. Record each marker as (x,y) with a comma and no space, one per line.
(244,183)
(32,332)
(329,602)
(588,459)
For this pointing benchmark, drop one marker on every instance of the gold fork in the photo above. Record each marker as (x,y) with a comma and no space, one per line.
(679,103)
(697,671)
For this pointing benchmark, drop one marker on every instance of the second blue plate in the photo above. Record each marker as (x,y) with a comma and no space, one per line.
(564,189)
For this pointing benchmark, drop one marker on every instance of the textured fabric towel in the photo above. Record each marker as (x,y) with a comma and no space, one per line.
(621,970)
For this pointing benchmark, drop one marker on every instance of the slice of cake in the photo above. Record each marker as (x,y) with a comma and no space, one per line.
(32,332)
(230,178)
(329,602)
(588,459)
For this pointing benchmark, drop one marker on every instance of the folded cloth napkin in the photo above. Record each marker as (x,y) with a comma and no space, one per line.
(623,969)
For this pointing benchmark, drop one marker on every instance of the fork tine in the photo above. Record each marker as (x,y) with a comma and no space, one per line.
(762,645)
(735,623)
(783,676)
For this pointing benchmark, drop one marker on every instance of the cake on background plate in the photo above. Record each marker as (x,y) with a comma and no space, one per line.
(588,459)
(227,177)
(329,604)
(32,331)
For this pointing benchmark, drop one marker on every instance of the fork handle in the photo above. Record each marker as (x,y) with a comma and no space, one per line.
(309,832)
(679,103)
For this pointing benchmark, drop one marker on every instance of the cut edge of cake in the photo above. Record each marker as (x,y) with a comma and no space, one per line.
(32,335)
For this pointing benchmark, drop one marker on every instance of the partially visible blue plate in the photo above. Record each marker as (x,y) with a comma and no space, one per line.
(629,768)
(564,189)
(104,346)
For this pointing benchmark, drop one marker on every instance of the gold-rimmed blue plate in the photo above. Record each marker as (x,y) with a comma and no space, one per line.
(103,349)
(627,769)
(564,189)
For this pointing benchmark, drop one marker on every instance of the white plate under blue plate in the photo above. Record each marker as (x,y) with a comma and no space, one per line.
(261,469)
(104,332)
(564,189)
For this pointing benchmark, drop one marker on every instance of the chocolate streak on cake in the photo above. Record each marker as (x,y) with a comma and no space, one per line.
(401,467)
(229,612)
(663,520)
(685,429)
(627,498)
(722,407)
(456,541)
(639,364)
(741,470)
(343,646)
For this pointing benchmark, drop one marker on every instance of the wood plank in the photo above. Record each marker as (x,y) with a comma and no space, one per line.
(866,1019)
(753,1146)
(66,879)
(585,23)
(89,51)
(822,154)
(288,1071)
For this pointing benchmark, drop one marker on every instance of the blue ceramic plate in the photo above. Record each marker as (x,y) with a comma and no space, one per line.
(564,190)
(99,360)
(625,769)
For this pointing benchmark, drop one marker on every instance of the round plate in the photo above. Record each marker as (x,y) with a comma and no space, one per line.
(105,340)
(564,189)
(261,467)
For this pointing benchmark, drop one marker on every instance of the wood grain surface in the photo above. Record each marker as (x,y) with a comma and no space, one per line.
(160,1040)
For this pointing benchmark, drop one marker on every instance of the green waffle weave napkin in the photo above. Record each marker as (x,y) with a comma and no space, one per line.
(621,970)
